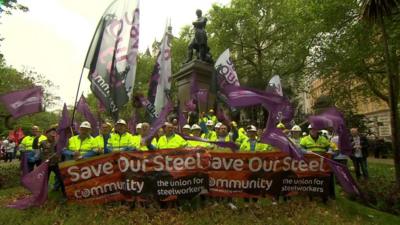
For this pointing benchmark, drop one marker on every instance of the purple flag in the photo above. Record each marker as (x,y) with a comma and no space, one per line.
(277,138)
(149,107)
(37,183)
(181,120)
(222,144)
(221,115)
(280,109)
(24,102)
(83,108)
(159,122)
(344,177)
(24,164)
(63,130)
(133,122)
(190,105)
(112,55)
(332,118)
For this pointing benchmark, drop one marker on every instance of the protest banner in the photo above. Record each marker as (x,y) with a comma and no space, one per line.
(173,174)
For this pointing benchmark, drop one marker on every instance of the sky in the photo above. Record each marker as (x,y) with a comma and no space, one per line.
(52,38)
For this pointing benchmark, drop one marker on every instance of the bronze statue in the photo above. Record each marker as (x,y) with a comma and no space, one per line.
(199,42)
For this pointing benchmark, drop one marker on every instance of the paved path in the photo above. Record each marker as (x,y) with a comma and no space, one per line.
(381,161)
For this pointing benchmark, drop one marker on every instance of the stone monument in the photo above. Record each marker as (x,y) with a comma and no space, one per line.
(200,67)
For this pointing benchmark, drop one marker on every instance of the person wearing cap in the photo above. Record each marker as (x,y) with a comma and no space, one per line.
(48,151)
(223,136)
(82,145)
(295,135)
(139,141)
(137,137)
(251,144)
(196,131)
(170,139)
(103,138)
(211,116)
(30,145)
(121,139)
(186,130)
(210,135)
(315,142)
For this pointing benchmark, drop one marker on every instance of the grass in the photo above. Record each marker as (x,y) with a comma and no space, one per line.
(299,210)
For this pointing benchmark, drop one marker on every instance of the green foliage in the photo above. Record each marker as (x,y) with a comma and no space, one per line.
(13,80)
(9,175)
(265,38)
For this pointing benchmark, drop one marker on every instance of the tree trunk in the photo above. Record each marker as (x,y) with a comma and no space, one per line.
(393,102)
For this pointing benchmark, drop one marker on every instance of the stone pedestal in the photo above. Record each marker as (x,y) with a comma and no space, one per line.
(182,79)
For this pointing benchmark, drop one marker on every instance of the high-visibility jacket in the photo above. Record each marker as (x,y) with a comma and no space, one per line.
(241,136)
(257,147)
(27,143)
(102,143)
(211,135)
(122,142)
(174,141)
(320,145)
(194,143)
(213,118)
(137,142)
(75,143)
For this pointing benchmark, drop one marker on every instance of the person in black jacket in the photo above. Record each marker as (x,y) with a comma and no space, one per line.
(359,153)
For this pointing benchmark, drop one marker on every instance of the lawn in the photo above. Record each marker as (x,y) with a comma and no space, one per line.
(298,210)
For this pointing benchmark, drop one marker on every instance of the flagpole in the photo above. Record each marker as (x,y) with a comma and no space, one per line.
(76,96)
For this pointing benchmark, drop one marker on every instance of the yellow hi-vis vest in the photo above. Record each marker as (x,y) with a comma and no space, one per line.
(174,141)
(119,142)
(77,144)
(27,142)
(320,145)
(194,143)
(211,135)
(259,147)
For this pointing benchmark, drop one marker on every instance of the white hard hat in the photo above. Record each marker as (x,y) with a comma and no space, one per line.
(218,125)
(187,126)
(251,128)
(139,126)
(210,123)
(85,124)
(325,132)
(196,127)
(309,126)
(121,121)
(296,128)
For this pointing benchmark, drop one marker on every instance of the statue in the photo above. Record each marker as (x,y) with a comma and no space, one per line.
(199,42)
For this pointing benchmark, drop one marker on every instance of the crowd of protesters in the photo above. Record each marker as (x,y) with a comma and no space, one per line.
(41,146)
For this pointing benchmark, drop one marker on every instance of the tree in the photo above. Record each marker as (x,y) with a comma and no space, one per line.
(265,38)
(359,62)
(377,12)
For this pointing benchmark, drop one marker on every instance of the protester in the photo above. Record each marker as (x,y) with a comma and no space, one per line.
(170,139)
(48,150)
(359,153)
(103,138)
(196,131)
(295,135)
(139,140)
(186,130)
(252,144)
(121,139)
(211,116)
(29,144)
(9,148)
(82,145)
(315,142)
(210,134)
